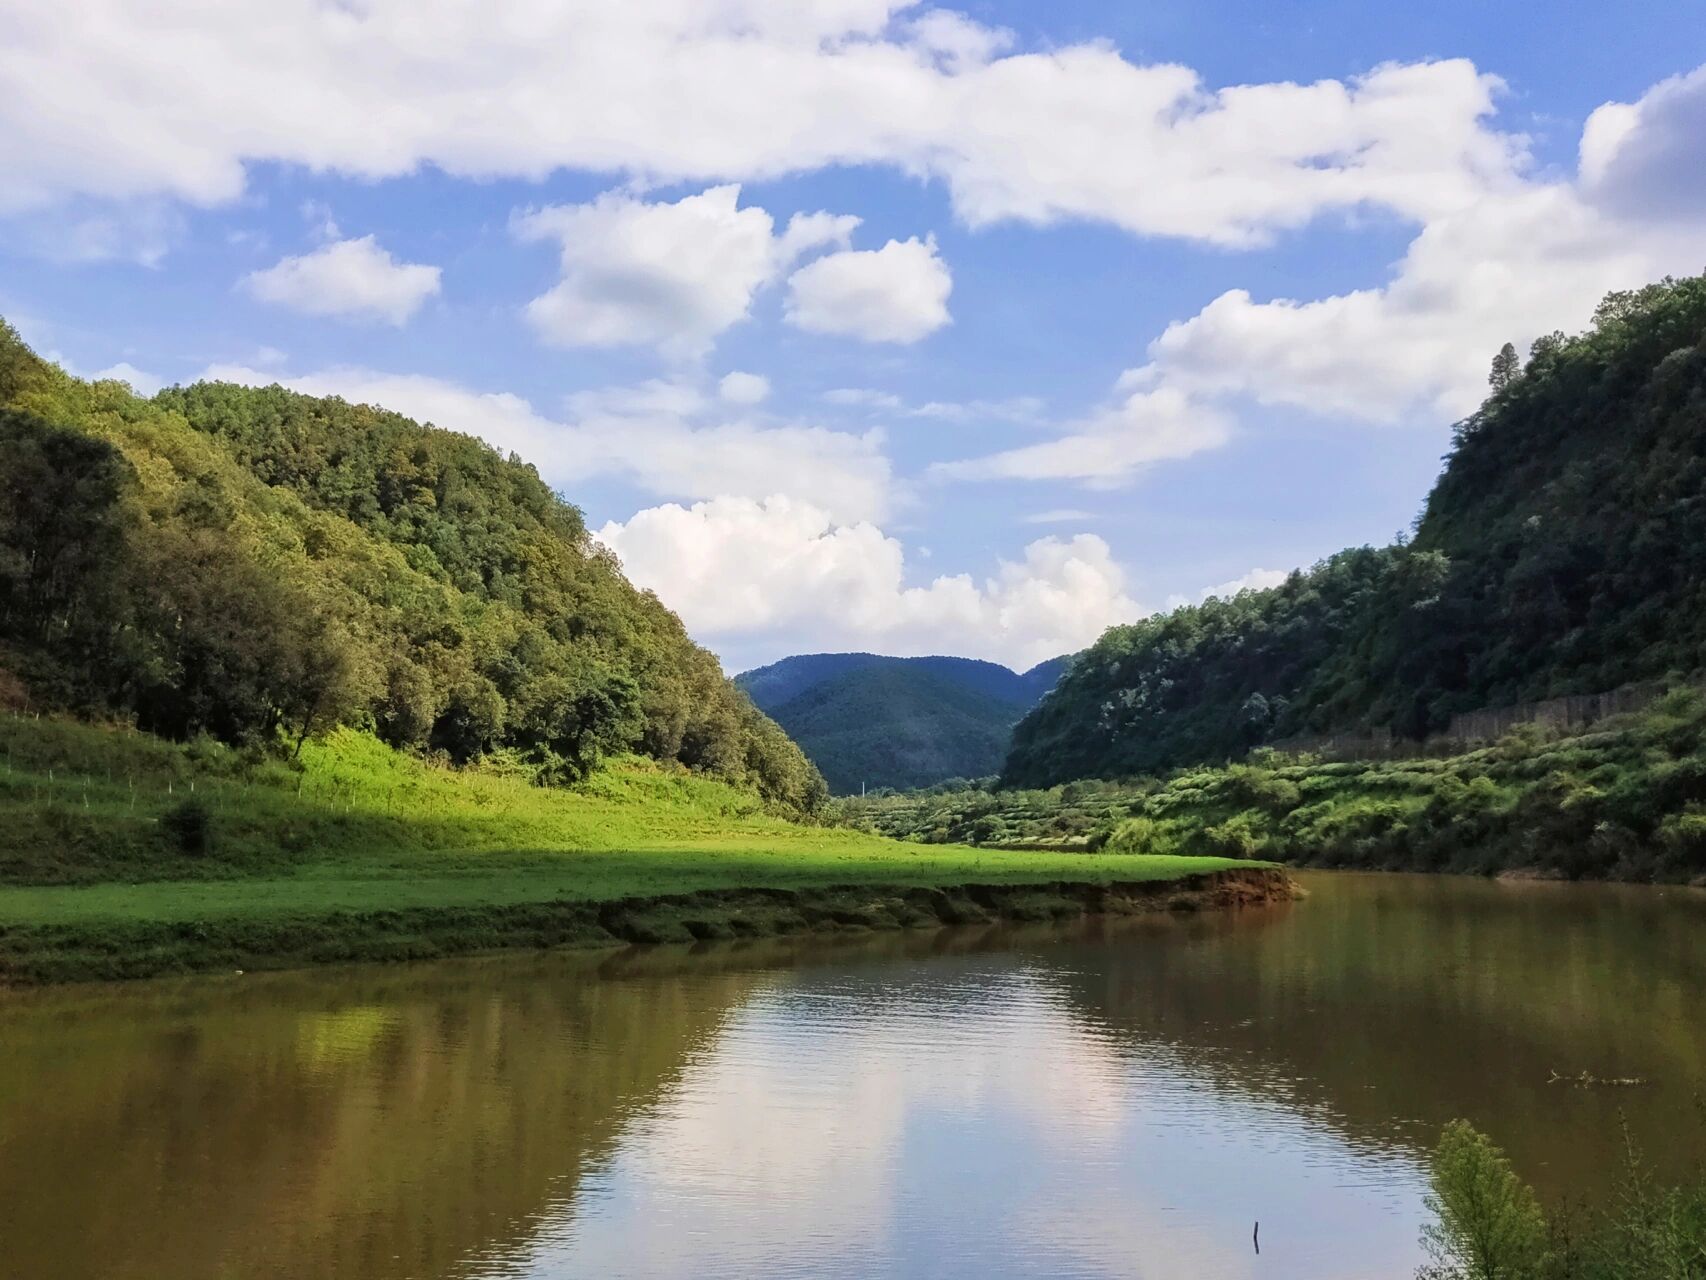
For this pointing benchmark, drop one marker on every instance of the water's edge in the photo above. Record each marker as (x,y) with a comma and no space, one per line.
(54,954)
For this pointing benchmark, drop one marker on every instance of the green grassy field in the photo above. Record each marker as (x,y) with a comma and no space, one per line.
(124,854)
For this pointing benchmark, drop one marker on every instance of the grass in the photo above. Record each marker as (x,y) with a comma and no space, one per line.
(356,851)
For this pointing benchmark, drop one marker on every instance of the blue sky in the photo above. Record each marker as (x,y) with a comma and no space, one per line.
(562,228)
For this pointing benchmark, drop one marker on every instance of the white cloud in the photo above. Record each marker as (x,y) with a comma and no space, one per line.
(1646,161)
(739,569)
(863,398)
(1023,409)
(744,388)
(1107,447)
(898,293)
(679,90)
(1255,580)
(660,436)
(82,231)
(670,275)
(140,380)
(1523,259)
(349,279)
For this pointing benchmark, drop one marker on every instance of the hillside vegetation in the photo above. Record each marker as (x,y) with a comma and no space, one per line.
(1563,550)
(1624,800)
(127,855)
(259,566)
(871,722)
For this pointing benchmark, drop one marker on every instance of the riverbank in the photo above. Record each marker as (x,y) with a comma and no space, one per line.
(125,856)
(116,948)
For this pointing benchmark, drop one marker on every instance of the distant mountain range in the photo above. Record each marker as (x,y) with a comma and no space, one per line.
(871,721)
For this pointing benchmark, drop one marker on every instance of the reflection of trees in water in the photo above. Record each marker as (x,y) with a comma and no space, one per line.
(1388,1005)
(266,1129)
(384,1123)
(373,1122)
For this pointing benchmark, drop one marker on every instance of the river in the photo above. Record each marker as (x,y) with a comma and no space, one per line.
(1111,1099)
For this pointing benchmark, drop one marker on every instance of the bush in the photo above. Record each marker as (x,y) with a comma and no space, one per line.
(1488,1224)
(190,826)
(1137,835)
(1240,836)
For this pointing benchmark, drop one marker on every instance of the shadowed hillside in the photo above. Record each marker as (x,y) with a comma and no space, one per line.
(871,721)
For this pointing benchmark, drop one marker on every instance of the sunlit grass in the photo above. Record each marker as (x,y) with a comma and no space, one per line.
(354,826)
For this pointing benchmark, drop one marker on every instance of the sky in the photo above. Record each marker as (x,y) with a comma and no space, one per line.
(854,324)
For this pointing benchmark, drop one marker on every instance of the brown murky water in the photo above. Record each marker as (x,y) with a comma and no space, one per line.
(1098,1102)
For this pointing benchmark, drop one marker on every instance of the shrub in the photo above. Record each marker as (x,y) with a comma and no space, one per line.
(1683,837)
(1138,835)
(1262,789)
(1240,836)
(1488,1224)
(190,826)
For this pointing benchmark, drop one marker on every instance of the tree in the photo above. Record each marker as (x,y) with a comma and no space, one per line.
(1506,368)
(1488,1224)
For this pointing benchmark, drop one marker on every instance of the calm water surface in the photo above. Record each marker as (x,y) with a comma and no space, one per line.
(1102,1101)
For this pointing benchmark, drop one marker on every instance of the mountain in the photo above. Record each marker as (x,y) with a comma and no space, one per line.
(872,721)
(256,566)
(1562,550)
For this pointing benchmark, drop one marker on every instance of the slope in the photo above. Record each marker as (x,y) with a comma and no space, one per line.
(258,566)
(1563,550)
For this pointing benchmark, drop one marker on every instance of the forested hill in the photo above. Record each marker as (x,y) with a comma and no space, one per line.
(258,565)
(1562,550)
(872,721)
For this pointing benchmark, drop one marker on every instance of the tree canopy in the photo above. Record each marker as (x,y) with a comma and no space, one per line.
(1563,550)
(258,565)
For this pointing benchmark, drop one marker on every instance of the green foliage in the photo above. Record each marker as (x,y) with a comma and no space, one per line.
(355,850)
(188,825)
(1626,800)
(1563,550)
(1489,1225)
(1487,1222)
(869,722)
(1137,835)
(262,566)
(1507,368)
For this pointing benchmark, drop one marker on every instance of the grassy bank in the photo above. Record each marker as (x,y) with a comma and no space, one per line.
(1626,800)
(124,855)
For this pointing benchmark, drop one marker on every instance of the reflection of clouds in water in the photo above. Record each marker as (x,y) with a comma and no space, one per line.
(977,1128)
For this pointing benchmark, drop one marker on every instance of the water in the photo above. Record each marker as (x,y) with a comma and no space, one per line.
(1102,1101)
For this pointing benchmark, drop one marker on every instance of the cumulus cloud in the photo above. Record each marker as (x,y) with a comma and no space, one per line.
(1523,259)
(661,436)
(744,388)
(139,380)
(349,279)
(898,293)
(678,90)
(1512,268)
(1255,580)
(737,569)
(672,274)
(1647,160)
